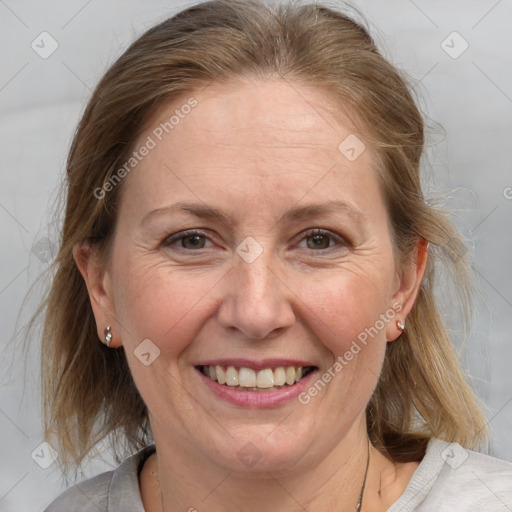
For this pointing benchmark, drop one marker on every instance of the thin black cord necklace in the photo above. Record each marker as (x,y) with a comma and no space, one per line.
(360,502)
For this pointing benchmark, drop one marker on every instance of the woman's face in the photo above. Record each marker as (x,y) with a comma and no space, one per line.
(249,238)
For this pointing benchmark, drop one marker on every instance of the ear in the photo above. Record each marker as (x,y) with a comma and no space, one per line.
(99,287)
(409,283)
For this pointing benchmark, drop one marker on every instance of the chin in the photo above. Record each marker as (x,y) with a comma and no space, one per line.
(260,450)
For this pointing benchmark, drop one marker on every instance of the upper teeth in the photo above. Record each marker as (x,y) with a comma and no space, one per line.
(249,378)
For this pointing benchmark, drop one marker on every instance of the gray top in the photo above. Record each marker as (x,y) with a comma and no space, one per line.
(448,479)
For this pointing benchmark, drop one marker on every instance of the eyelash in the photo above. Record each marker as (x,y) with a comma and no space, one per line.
(338,240)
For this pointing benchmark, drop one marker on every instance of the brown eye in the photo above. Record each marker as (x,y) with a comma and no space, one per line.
(318,242)
(189,240)
(193,242)
(322,241)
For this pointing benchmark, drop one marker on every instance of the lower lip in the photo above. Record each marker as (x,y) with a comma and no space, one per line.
(257,399)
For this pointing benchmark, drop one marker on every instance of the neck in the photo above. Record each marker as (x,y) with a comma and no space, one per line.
(184,480)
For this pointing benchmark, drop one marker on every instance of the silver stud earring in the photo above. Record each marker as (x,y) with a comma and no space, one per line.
(400,325)
(108,335)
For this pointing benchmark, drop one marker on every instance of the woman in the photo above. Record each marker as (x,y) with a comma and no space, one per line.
(246,235)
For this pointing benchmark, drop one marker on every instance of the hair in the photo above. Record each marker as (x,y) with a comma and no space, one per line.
(88,392)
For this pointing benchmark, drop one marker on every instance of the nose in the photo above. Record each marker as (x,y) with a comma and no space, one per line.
(257,302)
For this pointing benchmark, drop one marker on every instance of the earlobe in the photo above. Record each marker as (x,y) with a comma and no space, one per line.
(409,287)
(99,288)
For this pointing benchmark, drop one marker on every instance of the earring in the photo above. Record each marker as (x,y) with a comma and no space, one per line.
(400,325)
(108,335)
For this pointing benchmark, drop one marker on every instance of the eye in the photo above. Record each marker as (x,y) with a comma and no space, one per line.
(190,240)
(319,239)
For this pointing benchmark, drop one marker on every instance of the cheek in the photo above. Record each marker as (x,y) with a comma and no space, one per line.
(347,307)
(345,312)
(162,304)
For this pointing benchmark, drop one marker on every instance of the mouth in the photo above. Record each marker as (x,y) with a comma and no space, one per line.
(256,380)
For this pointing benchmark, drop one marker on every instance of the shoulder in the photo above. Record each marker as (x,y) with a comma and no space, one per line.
(451,478)
(88,496)
(481,481)
(113,491)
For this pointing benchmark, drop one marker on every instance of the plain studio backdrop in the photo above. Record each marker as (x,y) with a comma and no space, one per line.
(53,53)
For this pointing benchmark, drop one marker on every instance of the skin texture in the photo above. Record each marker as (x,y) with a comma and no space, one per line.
(255,150)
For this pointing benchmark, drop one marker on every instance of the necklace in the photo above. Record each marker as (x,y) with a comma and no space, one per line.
(360,502)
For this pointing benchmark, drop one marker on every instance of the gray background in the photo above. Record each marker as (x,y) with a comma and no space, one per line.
(41,100)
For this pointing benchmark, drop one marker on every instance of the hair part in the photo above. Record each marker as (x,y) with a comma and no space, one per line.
(88,391)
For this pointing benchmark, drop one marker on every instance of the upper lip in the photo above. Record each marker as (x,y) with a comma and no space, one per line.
(259,364)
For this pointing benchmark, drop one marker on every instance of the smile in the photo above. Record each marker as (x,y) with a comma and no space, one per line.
(263,380)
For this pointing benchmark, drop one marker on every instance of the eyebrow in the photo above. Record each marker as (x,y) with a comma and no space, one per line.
(315,210)
(203,211)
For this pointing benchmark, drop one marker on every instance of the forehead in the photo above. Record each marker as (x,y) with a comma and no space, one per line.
(254,114)
(271,139)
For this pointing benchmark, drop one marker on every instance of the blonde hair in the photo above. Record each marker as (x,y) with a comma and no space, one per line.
(88,391)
